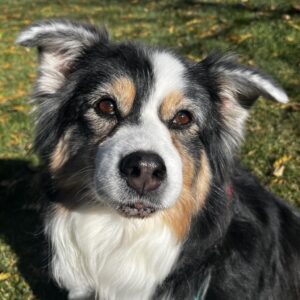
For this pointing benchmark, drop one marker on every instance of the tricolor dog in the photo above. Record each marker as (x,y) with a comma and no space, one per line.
(146,199)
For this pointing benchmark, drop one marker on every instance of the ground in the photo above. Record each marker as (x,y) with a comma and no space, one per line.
(264,33)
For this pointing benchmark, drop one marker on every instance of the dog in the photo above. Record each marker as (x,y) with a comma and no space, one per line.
(145,196)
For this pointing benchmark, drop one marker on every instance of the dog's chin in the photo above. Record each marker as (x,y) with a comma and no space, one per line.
(136,210)
(134,207)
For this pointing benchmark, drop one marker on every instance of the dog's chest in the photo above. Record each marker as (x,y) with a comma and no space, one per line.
(118,258)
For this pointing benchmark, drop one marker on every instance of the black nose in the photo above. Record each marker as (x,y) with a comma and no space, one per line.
(143,171)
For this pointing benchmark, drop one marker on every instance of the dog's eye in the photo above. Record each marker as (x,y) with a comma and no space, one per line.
(182,118)
(107,107)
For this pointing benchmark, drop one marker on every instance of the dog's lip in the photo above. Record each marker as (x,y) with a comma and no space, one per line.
(136,210)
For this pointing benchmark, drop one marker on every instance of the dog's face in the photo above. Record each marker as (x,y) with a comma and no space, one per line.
(138,129)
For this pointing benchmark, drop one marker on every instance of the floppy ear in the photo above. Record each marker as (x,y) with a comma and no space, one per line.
(59,44)
(238,88)
(243,83)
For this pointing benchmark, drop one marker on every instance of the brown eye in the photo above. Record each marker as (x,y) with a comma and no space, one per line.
(182,118)
(107,107)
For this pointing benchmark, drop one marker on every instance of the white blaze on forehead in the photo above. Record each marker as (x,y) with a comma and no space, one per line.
(168,77)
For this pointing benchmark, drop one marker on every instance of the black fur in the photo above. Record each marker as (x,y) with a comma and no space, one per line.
(247,247)
(240,246)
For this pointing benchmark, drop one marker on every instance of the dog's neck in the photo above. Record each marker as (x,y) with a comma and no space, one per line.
(103,251)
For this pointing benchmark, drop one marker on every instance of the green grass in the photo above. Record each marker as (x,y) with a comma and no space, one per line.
(264,33)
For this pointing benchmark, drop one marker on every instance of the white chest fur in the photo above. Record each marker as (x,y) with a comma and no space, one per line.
(118,258)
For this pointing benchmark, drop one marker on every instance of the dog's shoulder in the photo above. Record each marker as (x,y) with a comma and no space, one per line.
(246,245)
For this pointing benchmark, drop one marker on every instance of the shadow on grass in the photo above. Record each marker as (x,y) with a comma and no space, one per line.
(21,225)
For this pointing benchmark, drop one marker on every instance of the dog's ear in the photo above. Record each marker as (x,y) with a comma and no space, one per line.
(241,83)
(238,88)
(59,43)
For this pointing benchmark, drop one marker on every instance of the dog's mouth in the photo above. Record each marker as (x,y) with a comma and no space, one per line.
(136,210)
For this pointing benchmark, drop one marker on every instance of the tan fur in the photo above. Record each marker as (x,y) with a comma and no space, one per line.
(193,195)
(61,153)
(202,184)
(124,91)
(169,105)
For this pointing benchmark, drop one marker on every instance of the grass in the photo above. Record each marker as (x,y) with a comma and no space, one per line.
(263,33)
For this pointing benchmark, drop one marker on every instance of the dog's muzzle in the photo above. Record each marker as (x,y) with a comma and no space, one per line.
(144,172)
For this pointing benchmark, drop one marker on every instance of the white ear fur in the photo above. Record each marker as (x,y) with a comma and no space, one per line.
(249,81)
(59,44)
(246,83)
(39,34)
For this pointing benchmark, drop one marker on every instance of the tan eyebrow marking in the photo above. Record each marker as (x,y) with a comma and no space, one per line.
(124,91)
(170,103)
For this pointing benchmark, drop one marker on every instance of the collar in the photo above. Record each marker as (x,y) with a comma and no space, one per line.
(229,192)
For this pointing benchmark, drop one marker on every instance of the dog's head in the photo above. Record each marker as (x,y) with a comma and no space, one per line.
(139,129)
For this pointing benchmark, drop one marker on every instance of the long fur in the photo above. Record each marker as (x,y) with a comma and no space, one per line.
(213,231)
